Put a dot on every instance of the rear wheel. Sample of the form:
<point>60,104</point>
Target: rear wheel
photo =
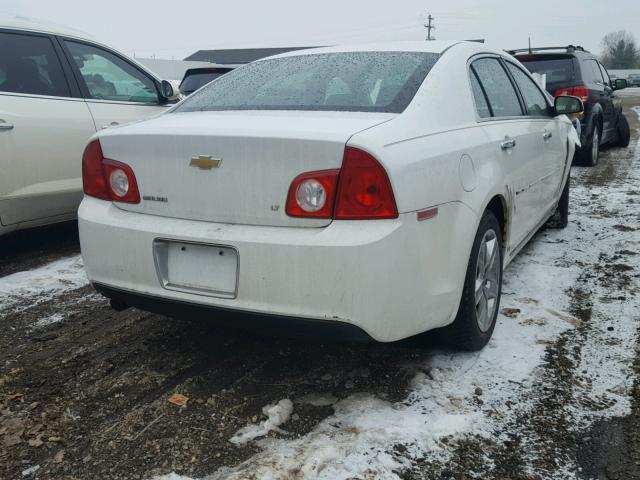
<point>476,319</point>
<point>560,218</point>
<point>623,132</point>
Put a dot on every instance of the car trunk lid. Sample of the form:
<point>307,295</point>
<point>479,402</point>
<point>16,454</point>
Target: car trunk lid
<point>231,167</point>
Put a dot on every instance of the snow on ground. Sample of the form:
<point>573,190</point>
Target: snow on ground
<point>42,283</point>
<point>276,415</point>
<point>481,394</point>
<point>629,92</point>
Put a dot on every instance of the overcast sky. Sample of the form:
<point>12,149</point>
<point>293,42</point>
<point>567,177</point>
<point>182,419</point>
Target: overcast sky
<point>176,29</point>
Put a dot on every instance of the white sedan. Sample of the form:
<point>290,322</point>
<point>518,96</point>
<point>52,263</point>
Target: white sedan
<point>375,191</point>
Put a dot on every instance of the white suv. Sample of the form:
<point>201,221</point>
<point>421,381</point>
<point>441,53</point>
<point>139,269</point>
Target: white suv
<point>57,88</point>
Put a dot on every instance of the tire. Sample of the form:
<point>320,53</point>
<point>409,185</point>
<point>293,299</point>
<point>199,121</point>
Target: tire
<point>623,132</point>
<point>589,153</point>
<point>472,330</point>
<point>560,218</point>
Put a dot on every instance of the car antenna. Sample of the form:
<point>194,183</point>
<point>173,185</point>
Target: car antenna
<point>530,51</point>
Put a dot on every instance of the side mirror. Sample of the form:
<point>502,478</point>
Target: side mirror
<point>620,84</point>
<point>168,91</point>
<point>567,105</point>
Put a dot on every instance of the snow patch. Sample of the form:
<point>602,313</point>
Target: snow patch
<point>50,320</point>
<point>43,283</point>
<point>277,415</point>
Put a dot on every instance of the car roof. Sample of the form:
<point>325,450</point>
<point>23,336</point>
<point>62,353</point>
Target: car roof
<point>549,55</point>
<point>435,46</point>
<point>35,25</point>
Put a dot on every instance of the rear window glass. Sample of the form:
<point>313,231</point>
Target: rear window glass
<point>557,70</point>
<point>193,81</point>
<point>350,81</point>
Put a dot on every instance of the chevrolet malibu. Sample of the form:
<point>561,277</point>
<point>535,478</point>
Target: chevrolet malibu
<point>375,191</point>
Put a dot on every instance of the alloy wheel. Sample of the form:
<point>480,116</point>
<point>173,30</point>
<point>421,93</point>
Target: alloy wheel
<point>595,147</point>
<point>487,285</point>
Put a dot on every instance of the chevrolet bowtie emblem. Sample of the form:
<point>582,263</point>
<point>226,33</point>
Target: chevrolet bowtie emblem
<point>205,162</point>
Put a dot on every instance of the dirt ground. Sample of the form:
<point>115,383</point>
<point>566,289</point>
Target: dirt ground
<point>86,398</point>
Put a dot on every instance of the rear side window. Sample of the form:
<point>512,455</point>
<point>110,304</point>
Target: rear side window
<point>29,64</point>
<point>533,98</point>
<point>501,95</point>
<point>482,106</point>
<point>348,81</point>
<point>592,72</point>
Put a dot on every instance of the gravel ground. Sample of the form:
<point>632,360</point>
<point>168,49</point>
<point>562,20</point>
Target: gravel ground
<point>84,389</point>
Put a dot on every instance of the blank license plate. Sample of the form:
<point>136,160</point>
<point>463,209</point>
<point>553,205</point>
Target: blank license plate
<point>196,268</point>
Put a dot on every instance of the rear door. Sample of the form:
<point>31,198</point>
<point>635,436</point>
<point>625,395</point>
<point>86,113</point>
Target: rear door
<point>116,90</point>
<point>517,142</point>
<point>44,127</point>
<point>549,172</point>
<point>612,106</point>
<point>599,91</point>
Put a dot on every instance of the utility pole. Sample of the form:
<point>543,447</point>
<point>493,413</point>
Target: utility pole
<point>429,26</point>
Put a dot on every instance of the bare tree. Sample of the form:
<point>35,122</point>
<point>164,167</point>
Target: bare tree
<point>620,51</point>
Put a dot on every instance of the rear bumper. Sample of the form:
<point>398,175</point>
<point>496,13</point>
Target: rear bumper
<point>293,326</point>
<point>391,278</point>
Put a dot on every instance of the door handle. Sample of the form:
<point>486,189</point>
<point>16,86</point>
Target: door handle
<point>112,124</point>
<point>547,135</point>
<point>508,144</point>
<point>5,126</point>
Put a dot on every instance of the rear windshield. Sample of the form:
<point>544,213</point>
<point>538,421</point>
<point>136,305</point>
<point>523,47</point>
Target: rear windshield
<point>193,81</point>
<point>350,81</point>
<point>558,70</point>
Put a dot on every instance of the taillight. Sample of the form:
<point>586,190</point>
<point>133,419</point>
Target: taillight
<point>107,179</point>
<point>313,194</point>
<point>581,91</point>
<point>93,180</point>
<point>122,182</point>
<point>360,190</point>
<point>364,190</point>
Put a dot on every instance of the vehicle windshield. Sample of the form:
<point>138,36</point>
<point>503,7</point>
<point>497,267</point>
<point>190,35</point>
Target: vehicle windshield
<point>558,70</point>
<point>350,81</point>
<point>193,81</point>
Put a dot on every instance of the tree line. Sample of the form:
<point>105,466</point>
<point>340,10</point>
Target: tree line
<point>620,51</point>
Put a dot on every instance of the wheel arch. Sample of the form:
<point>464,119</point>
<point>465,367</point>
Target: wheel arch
<point>595,118</point>
<point>498,206</point>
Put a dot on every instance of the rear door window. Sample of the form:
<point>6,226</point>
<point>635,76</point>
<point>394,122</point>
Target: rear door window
<point>605,75</point>
<point>29,64</point>
<point>500,92</point>
<point>534,99</point>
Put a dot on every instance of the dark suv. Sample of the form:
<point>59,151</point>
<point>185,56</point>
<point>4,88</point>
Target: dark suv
<point>194,78</point>
<point>574,71</point>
